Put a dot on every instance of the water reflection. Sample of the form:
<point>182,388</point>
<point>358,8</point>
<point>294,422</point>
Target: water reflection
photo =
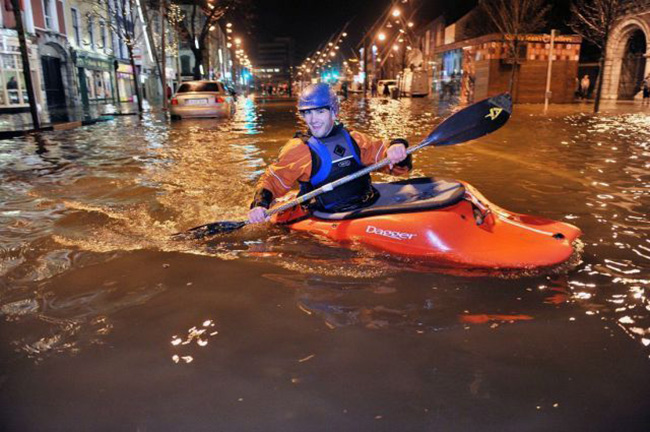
<point>196,337</point>
<point>394,304</point>
<point>75,198</point>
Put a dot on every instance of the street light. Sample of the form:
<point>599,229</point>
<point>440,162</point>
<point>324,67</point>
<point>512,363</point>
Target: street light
<point>396,12</point>
<point>381,36</point>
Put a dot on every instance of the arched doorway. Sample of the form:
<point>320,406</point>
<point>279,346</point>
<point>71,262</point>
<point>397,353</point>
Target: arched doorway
<point>632,65</point>
<point>51,61</point>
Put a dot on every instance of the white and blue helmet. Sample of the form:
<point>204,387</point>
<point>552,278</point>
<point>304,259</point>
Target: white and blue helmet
<point>318,95</point>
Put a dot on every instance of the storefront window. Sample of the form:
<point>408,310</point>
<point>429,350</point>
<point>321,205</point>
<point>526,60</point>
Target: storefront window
<point>23,88</point>
<point>12,87</point>
<point>13,91</point>
<point>9,61</point>
<point>99,85</point>
<point>2,93</point>
<point>90,84</point>
<point>108,88</point>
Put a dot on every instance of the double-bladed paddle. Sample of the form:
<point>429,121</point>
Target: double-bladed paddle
<point>469,123</point>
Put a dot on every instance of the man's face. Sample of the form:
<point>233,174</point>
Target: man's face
<point>320,121</point>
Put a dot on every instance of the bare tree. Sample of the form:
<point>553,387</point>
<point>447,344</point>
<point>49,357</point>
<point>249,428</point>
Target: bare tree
<point>514,19</point>
<point>200,16</point>
<point>594,20</point>
<point>156,37</point>
<point>121,17</point>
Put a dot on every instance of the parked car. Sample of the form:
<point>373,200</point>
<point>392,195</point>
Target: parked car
<point>381,84</point>
<point>202,99</point>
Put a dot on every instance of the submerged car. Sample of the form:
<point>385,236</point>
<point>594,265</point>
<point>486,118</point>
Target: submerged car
<point>202,99</point>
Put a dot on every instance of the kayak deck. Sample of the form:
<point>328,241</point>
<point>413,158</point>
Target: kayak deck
<point>461,228</point>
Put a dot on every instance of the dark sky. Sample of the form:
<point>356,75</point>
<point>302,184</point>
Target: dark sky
<point>311,23</point>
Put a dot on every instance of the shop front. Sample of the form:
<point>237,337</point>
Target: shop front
<point>477,68</point>
<point>124,74</point>
<point>95,83</point>
<point>13,91</point>
<point>448,69</point>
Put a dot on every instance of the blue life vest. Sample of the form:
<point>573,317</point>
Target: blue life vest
<point>334,157</point>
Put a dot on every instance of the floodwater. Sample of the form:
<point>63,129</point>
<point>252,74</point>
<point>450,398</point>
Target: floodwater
<point>106,324</point>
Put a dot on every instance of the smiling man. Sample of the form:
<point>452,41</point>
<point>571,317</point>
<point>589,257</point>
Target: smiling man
<point>326,153</point>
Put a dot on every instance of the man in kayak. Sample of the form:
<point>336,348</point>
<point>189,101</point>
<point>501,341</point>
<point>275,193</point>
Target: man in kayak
<point>327,153</point>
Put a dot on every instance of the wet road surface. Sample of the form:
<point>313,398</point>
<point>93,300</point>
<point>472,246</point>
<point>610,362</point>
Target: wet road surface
<point>106,324</point>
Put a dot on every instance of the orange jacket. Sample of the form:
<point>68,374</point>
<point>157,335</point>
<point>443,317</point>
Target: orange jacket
<point>294,163</point>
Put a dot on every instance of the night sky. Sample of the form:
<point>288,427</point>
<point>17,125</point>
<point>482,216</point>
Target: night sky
<point>311,23</point>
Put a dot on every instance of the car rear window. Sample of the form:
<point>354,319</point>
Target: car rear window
<point>200,87</point>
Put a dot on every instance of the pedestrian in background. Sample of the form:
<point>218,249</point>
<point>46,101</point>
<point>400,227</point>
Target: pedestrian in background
<point>584,86</point>
<point>12,84</point>
<point>646,91</point>
<point>373,89</point>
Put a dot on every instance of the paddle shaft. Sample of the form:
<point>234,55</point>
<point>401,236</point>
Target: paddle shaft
<point>330,186</point>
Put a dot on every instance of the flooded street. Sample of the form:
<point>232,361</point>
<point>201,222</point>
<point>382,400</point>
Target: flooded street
<point>107,324</point>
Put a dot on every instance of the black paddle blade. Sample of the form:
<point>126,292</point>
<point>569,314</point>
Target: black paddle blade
<point>473,122</point>
<point>211,229</point>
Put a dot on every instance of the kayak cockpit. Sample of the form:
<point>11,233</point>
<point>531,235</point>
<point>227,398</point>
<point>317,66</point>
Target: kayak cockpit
<point>406,196</point>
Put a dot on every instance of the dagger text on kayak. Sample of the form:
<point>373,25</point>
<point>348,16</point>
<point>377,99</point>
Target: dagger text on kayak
<point>390,234</point>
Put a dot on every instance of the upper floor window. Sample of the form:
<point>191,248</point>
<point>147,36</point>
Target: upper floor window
<point>102,35</point>
<point>91,32</point>
<point>47,11</point>
<point>75,26</point>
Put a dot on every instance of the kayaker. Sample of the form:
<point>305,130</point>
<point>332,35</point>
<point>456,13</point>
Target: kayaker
<point>326,153</point>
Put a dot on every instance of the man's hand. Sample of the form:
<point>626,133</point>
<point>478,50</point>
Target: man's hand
<point>396,153</point>
<point>258,215</point>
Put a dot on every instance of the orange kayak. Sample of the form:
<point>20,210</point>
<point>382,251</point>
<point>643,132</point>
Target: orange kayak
<point>445,222</point>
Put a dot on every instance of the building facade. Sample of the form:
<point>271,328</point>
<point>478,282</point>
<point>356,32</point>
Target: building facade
<point>627,63</point>
<point>79,57</point>
<point>275,61</point>
<point>477,68</point>
<point>13,92</point>
<point>462,63</point>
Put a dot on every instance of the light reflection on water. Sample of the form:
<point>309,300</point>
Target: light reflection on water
<point>73,199</point>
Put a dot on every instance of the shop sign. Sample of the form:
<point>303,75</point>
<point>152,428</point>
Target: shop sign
<point>127,69</point>
<point>546,38</point>
<point>92,63</point>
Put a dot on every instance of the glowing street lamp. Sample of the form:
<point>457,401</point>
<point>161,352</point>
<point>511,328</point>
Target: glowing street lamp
<point>381,36</point>
<point>396,12</point>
